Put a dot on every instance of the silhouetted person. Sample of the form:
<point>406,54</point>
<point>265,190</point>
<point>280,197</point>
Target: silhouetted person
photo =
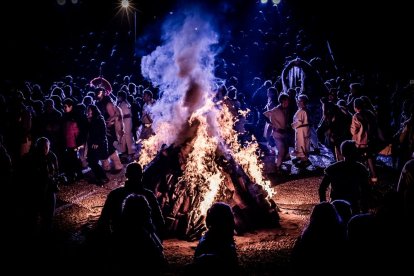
<point>405,189</point>
<point>71,134</point>
<point>349,179</point>
<point>364,133</point>
<point>51,125</point>
<point>19,138</point>
<point>109,220</point>
<point>321,247</point>
<point>216,252</point>
<point>97,143</point>
<point>136,246</point>
<point>334,127</point>
<point>38,175</point>
<point>363,243</point>
<point>344,210</point>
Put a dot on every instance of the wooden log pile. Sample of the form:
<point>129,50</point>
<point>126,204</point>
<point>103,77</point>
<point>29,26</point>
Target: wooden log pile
<point>180,201</point>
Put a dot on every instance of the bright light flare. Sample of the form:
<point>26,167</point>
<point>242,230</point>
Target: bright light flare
<point>125,4</point>
<point>126,8</point>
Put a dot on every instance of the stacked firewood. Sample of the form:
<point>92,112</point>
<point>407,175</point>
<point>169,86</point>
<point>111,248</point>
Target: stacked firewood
<point>180,201</point>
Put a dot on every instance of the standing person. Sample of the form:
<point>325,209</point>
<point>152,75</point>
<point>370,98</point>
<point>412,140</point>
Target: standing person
<point>51,125</point>
<point>71,130</point>
<point>404,146</point>
<point>127,140</point>
<point>19,133</point>
<point>302,132</point>
<point>97,143</point>
<point>355,91</point>
<point>362,129</point>
<point>278,118</point>
<point>38,174</point>
<point>114,128</point>
<point>146,118</point>
<point>334,127</point>
<point>272,102</point>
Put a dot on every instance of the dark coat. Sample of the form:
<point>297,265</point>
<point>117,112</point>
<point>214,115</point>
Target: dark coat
<point>97,136</point>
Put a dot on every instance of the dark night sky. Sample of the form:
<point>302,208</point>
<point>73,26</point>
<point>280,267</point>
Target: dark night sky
<point>365,33</point>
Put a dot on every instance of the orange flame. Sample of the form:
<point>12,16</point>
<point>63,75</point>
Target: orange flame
<point>201,170</point>
<point>246,156</point>
<point>201,173</point>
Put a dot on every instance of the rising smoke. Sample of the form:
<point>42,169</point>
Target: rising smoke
<point>183,71</point>
<point>216,166</point>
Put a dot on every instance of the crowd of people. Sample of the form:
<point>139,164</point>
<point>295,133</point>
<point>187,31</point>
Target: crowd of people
<point>50,135</point>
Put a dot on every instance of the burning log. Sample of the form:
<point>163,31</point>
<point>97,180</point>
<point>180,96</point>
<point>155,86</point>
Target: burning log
<point>163,170</point>
<point>213,164</point>
<point>253,208</point>
<point>197,229</point>
<point>181,201</point>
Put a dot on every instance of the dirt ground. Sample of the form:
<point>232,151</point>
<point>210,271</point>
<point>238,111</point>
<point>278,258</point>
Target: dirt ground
<point>263,252</point>
<point>266,251</point>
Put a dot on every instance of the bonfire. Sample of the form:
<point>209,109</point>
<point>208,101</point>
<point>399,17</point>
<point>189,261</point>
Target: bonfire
<point>196,157</point>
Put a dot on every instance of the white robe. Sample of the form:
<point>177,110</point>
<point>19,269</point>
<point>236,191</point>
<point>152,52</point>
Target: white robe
<point>302,133</point>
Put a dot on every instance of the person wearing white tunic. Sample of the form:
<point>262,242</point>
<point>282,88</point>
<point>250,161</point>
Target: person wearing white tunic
<point>302,129</point>
<point>278,120</point>
<point>127,144</point>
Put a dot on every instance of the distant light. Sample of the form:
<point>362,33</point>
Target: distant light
<point>263,1</point>
<point>276,2</point>
<point>125,4</point>
<point>61,2</point>
<point>74,2</point>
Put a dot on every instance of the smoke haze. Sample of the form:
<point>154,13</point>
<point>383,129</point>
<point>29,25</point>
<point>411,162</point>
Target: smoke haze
<point>183,71</point>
